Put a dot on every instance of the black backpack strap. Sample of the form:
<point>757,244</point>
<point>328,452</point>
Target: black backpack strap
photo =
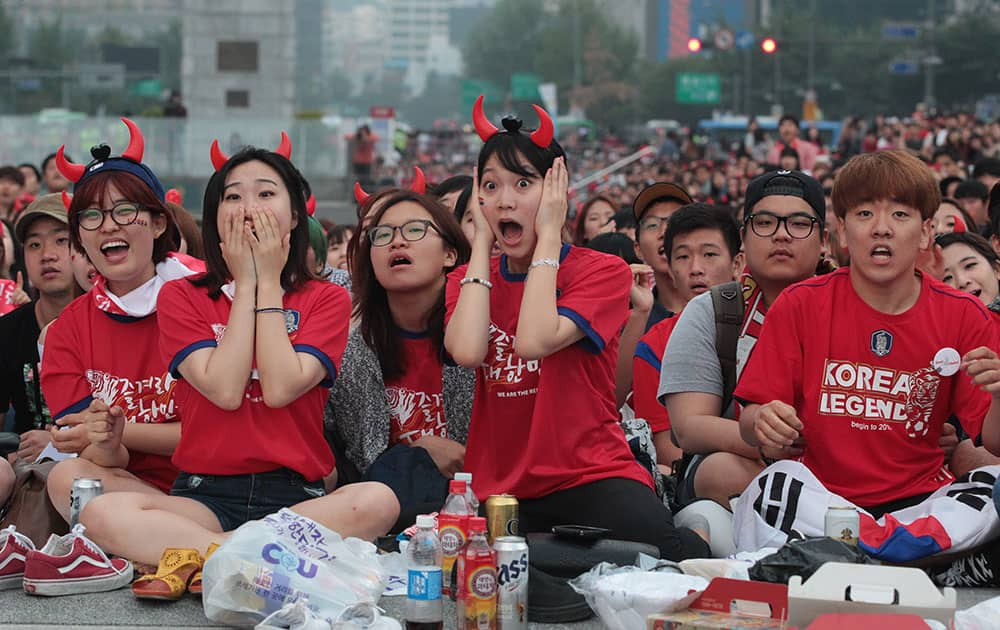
<point>727,301</point>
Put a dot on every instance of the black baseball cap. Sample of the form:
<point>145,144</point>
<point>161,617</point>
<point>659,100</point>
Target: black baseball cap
<point>791,183</point>
<point>658,191</point>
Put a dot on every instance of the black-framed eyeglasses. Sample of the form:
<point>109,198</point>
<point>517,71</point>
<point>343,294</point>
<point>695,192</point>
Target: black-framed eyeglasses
<point>650,224</point>
<point>797,225</point>
<point>382,235</point>
<point>123,214</point>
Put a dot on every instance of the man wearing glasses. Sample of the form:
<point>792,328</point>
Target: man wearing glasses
<point>783,228</point>
<point>653,207</point>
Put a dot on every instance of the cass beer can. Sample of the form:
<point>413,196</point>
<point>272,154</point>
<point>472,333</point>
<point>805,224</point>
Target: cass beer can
<point>842,524</point>
<point>83,491</point>
<point>501,516</point>
<point>512,583</point>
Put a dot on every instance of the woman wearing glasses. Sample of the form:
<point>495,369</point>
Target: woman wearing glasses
<point>396,389</point>
<point>101,362</point>
<point>255,343</point>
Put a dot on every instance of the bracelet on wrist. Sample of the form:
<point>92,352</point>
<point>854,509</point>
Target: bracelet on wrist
<point>544,262</point>
<point>270,309</point>
<point>474,280</point>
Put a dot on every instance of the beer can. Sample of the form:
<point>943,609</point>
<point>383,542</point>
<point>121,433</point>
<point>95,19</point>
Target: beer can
<point>843,524</point>
<point>512,583</point>
<point>82,491</point>
<point>501,516</point>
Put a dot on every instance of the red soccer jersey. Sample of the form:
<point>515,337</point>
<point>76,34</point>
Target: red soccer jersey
<point>864,383</point>
<point>7,288</point>
<point>90,354</point>
<point>254,438</point>
<point>646,375</point>
<point>552,424</point>
<point>416,406</point>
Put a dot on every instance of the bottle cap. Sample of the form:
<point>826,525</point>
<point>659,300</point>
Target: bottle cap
<point>477,524</point>
<point>464,476</point>
<point>456,486</point>
<point>425,520</point>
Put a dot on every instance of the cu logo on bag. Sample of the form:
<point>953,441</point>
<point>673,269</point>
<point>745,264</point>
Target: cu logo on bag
<point>276,554</point>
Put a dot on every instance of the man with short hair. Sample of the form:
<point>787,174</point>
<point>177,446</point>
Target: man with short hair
<point>987,170</point>
<point>972,195</point>
<point>783,226</point>
<point>788,130</point>
<point>32,178</point>
<point>51,177</point>
<point>702,244</point>
<point>653,207</point>
<point>11,183</point>
<point>42,227</point>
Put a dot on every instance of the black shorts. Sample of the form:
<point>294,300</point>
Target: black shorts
<point>236,499</point>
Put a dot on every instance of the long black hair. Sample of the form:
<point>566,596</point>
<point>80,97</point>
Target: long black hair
<point>371,302</point>
<point>296,272</point>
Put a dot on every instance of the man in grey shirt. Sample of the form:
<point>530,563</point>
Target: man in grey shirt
<point>783,234</point>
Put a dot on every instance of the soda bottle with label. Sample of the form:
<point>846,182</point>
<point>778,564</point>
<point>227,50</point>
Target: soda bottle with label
<point>476,605</point>
<point>469,494</point>
<point>423,587</point>
<point>452,523</point>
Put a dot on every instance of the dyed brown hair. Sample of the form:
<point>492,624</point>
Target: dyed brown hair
<point>189,229</point>
<point>886,175</point>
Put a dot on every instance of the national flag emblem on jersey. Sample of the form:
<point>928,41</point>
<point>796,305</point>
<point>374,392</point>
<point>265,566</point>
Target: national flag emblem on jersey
<point>291,320</point>
<point>881,343</point>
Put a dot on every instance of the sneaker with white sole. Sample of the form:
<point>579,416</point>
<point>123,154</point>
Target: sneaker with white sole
<point>72,565</point>
<point>14,548</point>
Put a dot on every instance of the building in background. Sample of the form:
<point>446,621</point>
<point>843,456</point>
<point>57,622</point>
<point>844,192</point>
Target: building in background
<point>310,92</point>
<point>135,18</point>
<point>353,42</point>
<point>239,58</point>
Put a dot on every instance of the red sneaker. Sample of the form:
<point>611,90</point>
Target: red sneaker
<point>14,549</point>
<point>72,565</point>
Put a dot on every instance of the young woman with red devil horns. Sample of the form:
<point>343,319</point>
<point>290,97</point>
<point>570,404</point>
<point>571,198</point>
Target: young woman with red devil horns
<point>540,325</point>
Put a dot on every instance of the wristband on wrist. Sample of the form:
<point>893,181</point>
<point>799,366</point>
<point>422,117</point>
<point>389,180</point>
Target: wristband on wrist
<point>271,309</point>
<point>544,262</point>
<point>473,280</point>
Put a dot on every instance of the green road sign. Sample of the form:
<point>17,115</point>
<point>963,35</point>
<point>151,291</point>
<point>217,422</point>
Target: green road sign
<point>471,89</point>
<point>696,88</point>
<point>524,87</point>
<point>147,87</point>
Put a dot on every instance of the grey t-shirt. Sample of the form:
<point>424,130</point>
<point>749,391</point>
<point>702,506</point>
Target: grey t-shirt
<point>690,362</point>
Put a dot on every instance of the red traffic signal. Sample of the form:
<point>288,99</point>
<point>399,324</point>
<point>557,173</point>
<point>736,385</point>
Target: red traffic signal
<point>694,44</point>
<point>768,45</point>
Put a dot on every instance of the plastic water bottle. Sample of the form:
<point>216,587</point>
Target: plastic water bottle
<point>453,522</point>
<point>423,584</point>
<point>469,494</point>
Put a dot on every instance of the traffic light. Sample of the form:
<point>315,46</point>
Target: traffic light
<point>694,44</point>
<point>768,45</point>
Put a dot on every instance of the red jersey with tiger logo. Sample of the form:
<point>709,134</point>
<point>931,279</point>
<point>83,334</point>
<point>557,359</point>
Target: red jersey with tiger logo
<point>872,390</point>
<point>254,438</point>
<point>416,404</point>
<point>547,425</point>
<point>91,353</point>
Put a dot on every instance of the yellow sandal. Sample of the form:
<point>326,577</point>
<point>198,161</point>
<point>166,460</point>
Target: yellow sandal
<point>176,569</point>
<point>194,587</point>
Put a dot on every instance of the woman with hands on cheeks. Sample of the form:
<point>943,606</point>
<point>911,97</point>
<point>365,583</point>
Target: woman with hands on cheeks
<point>255,344</point>
<point>539,321</point>
<point>400,408</point>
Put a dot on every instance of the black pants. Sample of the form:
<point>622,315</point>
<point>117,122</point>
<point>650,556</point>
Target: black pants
<point>628,508</point>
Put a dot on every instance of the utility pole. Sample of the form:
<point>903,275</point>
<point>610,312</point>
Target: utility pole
<point>930,58</point>
<point>811,62</point>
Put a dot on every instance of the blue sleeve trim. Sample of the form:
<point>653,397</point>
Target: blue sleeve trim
<point>185,352</point>
<point>325,360</point>
<point>591,341</point>
<point>75,408</point>
<point>645,352</point>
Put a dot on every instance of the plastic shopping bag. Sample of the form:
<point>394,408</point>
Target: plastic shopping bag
<point>284,558</point>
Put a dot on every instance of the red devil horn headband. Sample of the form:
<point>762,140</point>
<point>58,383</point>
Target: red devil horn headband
<point>66,199</point>
<point>542,136</point>
<point>311,205</point>
<point>74,172</point>
<point>418,185</point>
<point>219,158</point>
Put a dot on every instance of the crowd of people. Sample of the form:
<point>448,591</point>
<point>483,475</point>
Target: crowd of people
<point>699,353</point>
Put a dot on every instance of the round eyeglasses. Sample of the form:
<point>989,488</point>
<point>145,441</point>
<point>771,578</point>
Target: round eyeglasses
<point>382,235</point>
<point>123,214</point>
<point>765,224</point>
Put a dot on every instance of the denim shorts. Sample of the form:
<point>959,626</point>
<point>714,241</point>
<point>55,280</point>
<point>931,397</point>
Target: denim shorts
<point>236,499</point>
